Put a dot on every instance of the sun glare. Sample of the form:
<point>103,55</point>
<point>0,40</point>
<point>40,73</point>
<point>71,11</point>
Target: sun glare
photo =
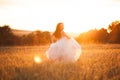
<point>77,17</point>
<point>37,59</point>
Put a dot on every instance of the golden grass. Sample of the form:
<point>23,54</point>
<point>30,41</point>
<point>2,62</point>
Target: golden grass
<point>97,62</point>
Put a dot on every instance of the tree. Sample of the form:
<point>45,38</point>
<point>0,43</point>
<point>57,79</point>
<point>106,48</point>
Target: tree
<point>88,37</point>
<point>36,38</point>
<point>6,36</point>
<point>94,36</point>
<point>102,35</point>
<point>114,29</point>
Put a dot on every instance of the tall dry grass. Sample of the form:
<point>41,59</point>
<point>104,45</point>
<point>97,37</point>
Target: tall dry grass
<point>97,62</point>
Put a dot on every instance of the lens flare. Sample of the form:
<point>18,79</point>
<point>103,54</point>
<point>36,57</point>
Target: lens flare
<point>37,59</point>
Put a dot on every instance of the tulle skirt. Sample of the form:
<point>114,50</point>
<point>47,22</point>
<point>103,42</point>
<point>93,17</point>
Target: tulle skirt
<point>64,50</point>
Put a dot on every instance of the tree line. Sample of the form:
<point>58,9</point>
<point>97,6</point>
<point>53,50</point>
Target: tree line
<point>110,35</point>
<point>8,38</point>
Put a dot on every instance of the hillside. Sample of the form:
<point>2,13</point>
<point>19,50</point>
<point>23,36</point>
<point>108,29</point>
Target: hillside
<point>20,32</point>
<point>25,32</point>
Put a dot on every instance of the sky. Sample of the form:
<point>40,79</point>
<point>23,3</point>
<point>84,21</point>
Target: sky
<point>77,15</point>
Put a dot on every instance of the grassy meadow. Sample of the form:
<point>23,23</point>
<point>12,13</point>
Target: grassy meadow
<point>97,62</point>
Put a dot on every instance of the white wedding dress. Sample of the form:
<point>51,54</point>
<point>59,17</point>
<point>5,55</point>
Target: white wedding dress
<point>64,49</point>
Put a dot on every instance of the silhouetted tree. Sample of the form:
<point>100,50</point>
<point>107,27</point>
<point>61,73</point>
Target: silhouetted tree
<point>6,36</point>
<point>41,37</point>
<point>28,39</point>
<point>114,29</point>
<point>46,37</point>
<point>102,35</point>
<point>36,38</point>
<point>94,36</point>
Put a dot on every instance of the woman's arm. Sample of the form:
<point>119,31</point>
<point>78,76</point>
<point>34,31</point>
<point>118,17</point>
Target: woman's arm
<point>53,38</point>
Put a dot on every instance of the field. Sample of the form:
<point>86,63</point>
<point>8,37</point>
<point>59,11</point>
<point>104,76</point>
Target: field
<point>97,62</point>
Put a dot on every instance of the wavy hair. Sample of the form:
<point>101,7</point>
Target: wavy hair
<point>58,30</point>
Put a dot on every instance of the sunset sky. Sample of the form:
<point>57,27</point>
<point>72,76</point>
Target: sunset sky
<point>77,15</point>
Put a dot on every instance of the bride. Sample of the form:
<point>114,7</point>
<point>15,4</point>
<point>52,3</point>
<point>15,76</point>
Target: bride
<point>63,47</point>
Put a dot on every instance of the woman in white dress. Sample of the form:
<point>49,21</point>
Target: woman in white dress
<point>63,47</point>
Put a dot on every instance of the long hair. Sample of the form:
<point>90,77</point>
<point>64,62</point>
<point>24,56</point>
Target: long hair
<point>58,30</point>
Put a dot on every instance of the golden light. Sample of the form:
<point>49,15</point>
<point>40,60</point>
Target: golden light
<point>37,59</point>
<point>71,13</point>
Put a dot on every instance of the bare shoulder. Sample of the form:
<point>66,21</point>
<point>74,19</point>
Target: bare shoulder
<point>64,34</point>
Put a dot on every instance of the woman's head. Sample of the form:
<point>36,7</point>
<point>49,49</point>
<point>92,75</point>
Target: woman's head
<point>59,28</point>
